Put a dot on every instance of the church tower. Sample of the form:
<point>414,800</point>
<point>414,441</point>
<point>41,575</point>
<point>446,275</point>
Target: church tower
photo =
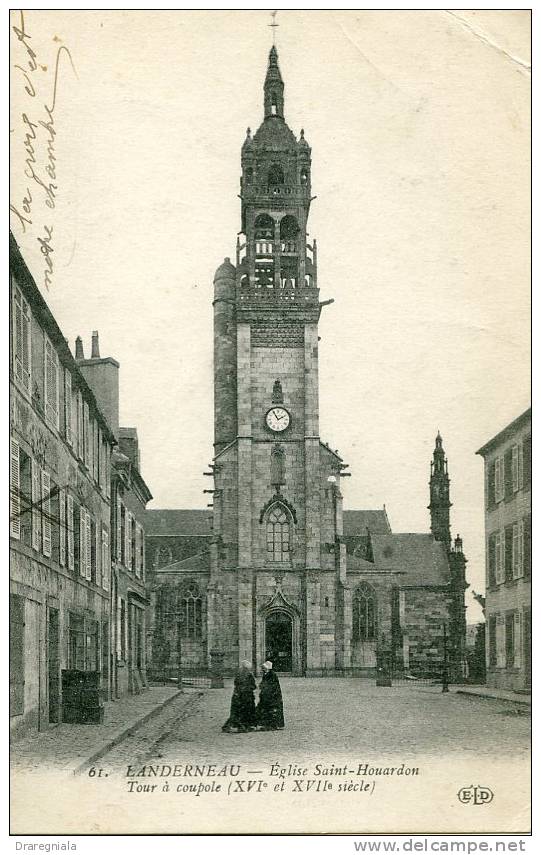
<point>439,506</point>
<point>278,564</point>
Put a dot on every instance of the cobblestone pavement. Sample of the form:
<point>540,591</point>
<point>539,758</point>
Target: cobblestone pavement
<point>337,716</point>
<point>65,746</point>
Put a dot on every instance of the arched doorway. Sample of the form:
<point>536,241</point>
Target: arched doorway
<point>279,640</point>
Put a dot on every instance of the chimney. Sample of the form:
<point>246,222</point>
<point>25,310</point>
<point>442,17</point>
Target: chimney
<point>95,345</point>
<point>128,444</point>
<point>79,352</point>
<point>101,374</point>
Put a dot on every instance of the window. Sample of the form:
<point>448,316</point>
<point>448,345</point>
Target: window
<point>134,552</point>
<point>276,175</point>
<point>61,528</point>
<point>278,533</point>
<point>21,341</point>
<point>16,654</point>
<point>51,384</point>
<point>68,429</point>
<point>92,648</point>
<point>527,462</point>
<point>94,551</point>
<point>499,483</point>
<point>364,613</point>
<point>87,447</point>
<point>191,612</point>
<point>137,550</point>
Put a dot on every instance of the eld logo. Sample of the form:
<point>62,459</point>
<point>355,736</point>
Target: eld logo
<point>475,795</point>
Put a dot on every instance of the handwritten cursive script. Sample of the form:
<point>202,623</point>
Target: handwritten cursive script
<point>38,134</point>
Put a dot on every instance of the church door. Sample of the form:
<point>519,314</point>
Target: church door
<point>278,641</point>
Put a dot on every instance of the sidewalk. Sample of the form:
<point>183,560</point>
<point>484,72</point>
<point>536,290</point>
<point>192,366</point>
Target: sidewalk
<point>496,694</point>
<point>72,746</point>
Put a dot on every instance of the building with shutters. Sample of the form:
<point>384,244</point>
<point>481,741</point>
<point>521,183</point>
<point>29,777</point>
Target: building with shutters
<point>60,535</point>
<point>129,496</point>
<point>285,573</point>
<point>508,523</point>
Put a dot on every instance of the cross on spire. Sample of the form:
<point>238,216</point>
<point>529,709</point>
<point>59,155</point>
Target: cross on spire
<point>273,25</point>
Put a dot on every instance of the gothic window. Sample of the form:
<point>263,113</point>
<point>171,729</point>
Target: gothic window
<point>191,612</point>
<point>364,613</point>
<point>278,534</point>
<point>289,229</point>
<point>304,176</point>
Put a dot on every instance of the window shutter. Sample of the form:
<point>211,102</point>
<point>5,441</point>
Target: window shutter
<point>36,506</point>
<point>97,534</point>
<point>527,462</point>
<point>18,335</point>
<point>96,455</point>
<point>46,528</point>
<point>107,472</point>
<point>82,541</point>
<point>21,340</point>
<point>500,642</point>
<point>143,553</point>
<point>516,551</point>
<point>80,427</point>
<point>88,546</point>
<point>509,552</point>
<point>491,490</point>
<point>127,537</point>
<point>500,557</point>
<point>137,549</point>
<point>492,560</point>
<point>527,548</point>
<point>51,384</point>
<point>61,527</point>
<point>86,434</point>
<point>67,407</point>
<point>118,529</point>
<point>105,559</point>
<point>15,490</point>
<point>69,527</point>
<point>517,639</point>
<point>508,474</point>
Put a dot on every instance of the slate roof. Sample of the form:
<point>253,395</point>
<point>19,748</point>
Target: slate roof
<point>356,522</point>
<point>423,559</point>
<point>199,562</point>
<point>176,523</point>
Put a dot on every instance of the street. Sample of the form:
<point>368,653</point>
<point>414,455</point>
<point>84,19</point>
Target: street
<point>353,758</point>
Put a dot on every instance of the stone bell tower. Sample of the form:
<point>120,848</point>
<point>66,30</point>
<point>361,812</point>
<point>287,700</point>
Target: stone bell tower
<point>277,502</point>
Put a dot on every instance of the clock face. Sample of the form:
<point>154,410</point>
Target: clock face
<point>277,419</point>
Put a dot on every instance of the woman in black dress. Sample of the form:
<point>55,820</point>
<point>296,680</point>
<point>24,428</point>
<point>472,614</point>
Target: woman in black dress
<point>270,709</point>
<point>242,713</point>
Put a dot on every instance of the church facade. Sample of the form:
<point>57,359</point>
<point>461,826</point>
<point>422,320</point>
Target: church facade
<point>280,570</point>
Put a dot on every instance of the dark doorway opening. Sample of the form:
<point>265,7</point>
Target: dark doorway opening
<point>278,641</point>
<point>54,666</point>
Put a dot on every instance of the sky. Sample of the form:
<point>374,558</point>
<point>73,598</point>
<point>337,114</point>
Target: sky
<point>419,127</point>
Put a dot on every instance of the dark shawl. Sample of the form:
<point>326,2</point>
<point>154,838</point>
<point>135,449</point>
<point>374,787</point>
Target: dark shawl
<point>270,709</point>
<point>242,713</point>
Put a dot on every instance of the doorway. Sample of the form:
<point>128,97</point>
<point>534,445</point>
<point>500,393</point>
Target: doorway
<point>279,641</point>
<point>54,666</point>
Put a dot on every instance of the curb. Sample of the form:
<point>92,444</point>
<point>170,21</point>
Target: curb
<point>488,697</point>
<point>120,735</point>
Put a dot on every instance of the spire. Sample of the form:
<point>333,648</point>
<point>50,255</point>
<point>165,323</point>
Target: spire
<point>274,87</point>
<point>439,495</point>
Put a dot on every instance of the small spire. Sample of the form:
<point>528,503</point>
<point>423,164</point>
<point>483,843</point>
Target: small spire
<point>274,87</point>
